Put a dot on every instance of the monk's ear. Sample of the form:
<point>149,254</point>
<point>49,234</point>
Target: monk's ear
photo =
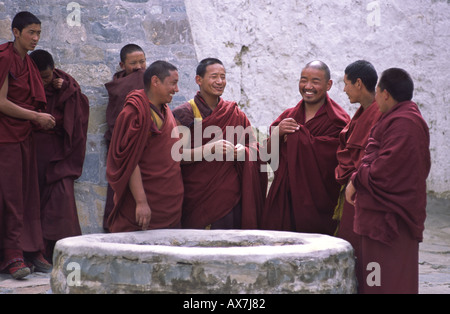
<point>359,83</point>
<point>329,85</point>
<point>122,65</point>
<point>198,80</point>
<point>16,32</point>
<point>155,80</point>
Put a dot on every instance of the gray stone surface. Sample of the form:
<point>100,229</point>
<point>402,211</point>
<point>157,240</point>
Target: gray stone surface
<point>434,258</point>
<point>202,261</point>
<point>434,261</point>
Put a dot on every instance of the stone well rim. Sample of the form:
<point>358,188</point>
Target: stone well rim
<point>301,245</point>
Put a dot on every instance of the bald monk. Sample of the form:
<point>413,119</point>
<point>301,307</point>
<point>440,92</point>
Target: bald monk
<point>360,81</point>
<point>140,169</point>
<point>132,64</point>
<point>389,190</point>
<point>22,97</point>
<point>60,152</point>
<point>304,191</point>
<point>225,187</point>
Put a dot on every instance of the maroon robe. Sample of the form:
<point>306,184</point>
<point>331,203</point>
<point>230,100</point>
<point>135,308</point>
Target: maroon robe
<point>60,156</point>
<point>223,194</point>
<point>304,192</point>
<point>352,143</point>
<point>118,89</point>
<point>20,227</point>
<point>137,141</point>
<point>390,204</point>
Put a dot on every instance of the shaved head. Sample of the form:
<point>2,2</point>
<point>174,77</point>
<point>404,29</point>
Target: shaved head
<point>319,65</point>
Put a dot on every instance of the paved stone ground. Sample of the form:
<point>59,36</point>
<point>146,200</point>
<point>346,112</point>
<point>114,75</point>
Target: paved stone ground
<point>434,259</point>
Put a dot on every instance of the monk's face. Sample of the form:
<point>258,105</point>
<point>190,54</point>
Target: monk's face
<point>214,81</point>
<point>314,86</point>
<point>47,76</point>
<point>168,88</point>
<point>133,62</point>
<point>352,90</point>
<point>382,98</point>
<point>28,38</point>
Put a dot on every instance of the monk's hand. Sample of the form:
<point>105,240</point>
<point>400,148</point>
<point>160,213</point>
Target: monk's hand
<point>350,192</point>
<point>45,120</point>
<point>143,215</point>
<point>239,152</point>
<point>57,83</point>
<point>227,149</point>
<point>288,126</point>
<point>221,147</point>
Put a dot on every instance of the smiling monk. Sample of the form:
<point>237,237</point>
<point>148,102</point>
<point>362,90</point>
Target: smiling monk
<point>227,191</point>
<point>304,192</point>
<point>140,169</point>
<point>360,81</point>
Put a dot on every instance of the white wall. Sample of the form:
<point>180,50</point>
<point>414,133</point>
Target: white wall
<point>265,44</point>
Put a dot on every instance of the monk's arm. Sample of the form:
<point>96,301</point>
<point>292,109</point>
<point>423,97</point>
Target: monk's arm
<point>286,126</point>
<point>143,212</point>
<point>10,109</point>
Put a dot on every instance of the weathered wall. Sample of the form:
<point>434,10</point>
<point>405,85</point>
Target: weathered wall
<point>264,45</point>
<point>85,41</point>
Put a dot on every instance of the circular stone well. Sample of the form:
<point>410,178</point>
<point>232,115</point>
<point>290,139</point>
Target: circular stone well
<point>203,261</point>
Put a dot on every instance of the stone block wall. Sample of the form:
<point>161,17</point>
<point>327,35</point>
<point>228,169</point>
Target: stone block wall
<point>85,38</point>
<point>264,45</point>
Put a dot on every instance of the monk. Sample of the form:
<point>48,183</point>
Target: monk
<point>132,64</point>
<point>304,191</point>
<point>22,97</point>
<point>360,82</point>
<point>224,187</point>
<point>60,152</point>
<point>389,190</point>
<point>145,178</point>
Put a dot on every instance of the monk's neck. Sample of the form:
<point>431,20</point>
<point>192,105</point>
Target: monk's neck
<point>155,102</point>
<point>367,100</point>
<point>22,52</point>
<point>312,109</point>
<point>211,101</point>
<point>157,106</point>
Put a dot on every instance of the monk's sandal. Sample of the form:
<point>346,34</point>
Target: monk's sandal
<point>19,270</point>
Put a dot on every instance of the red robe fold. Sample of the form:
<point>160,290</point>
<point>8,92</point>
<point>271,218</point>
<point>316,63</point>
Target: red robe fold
<point>391,181</point>
<point>214,188</point>
<point>390,204</point>
<point>137,141</point>
<point>20,227</point>
<point>304,191</point>
<point>353,141</point>
<point>352,144</point>
<point>25,89</point>
<point>118,89</point>
<point>60,156</point>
